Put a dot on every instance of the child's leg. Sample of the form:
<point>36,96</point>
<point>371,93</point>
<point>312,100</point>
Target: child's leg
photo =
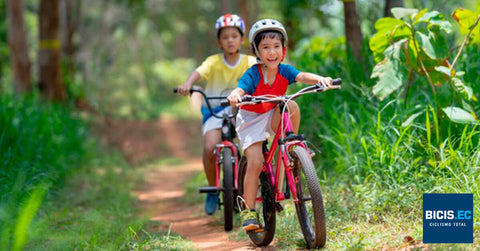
<point>293,111</point>
<point>254,168</point>
<point>210,140</point>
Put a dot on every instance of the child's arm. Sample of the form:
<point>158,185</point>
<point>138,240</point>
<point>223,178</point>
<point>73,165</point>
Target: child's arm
<point>192,78</point>
<point>235,96</point>
<point>311,79</point>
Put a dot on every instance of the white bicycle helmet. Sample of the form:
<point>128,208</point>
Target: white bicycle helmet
<point>266,24</point>
<point>230,20</point>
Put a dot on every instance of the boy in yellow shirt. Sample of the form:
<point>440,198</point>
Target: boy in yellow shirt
<point>221,72</point>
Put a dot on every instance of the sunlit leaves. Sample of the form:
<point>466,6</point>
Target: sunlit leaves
<point>412,118</point>
<point>435,18</point>
<point>443,69</point>
<point>400,13</point>
<point>434,45</point>
<point>458,115</point>
<point>461,88</point>
<point>466,19</point>
<point>389,30</point>
<point>390,72</point>
<point>415,42</point>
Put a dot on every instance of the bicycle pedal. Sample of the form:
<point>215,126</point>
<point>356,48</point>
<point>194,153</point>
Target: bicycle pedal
<point>311,152</point>
<point>278,207</point>
<point>208,189</point>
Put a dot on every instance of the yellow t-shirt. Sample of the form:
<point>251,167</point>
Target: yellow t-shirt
<point>221,77</point>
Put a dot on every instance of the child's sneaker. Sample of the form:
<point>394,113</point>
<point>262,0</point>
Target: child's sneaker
<point>250,220</point>
<point>211,203</point>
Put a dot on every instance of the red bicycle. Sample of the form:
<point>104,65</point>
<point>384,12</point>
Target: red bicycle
<point>226,162</point>
<point>293,160</point>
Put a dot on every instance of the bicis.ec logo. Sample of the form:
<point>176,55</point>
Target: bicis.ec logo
<point>448,218</point>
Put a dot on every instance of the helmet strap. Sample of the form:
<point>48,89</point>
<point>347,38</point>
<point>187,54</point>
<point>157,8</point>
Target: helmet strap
<point>256,52</point>
<point>284,52</point>
<point>265,73</point>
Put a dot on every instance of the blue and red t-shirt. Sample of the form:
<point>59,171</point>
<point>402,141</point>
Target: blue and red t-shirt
<point>253,84</point>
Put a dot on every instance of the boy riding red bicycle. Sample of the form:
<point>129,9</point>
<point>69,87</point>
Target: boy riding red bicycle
<point>255,123</point>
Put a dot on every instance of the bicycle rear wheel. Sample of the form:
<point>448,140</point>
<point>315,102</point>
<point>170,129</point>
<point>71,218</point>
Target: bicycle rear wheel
<point>228,199</point>
<point>310,211</point>
<point>265,208</point>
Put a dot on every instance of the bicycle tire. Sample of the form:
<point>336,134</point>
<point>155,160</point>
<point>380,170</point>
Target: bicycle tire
<point>266,209</point>
<point>309,211</point>
<point>228,199</point>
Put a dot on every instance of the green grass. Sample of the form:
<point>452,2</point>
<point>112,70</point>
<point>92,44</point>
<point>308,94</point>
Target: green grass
<point>39,145</point>
<point>374,171</point>
<point>373,166</point>
<point>95,210</point>
<point>59,190</point>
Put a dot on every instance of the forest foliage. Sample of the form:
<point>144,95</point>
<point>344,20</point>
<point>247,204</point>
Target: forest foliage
<point>404,123</point>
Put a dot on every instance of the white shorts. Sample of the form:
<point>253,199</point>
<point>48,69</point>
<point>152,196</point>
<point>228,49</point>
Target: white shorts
<point>253,127</point>
<point>215,123</point>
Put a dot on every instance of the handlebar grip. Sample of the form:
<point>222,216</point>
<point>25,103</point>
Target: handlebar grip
<point>175,90</point>
<point>224,102</point>
<point>337,81</point>
<point>246,98</point>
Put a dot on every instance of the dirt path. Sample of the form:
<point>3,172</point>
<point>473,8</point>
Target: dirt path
<point>160,198</point>
<point>160,195</point>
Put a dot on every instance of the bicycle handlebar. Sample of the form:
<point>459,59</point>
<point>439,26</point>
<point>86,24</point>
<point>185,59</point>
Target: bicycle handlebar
<point>337,81</point>
<point>207,101</point>
<point>252,100</point>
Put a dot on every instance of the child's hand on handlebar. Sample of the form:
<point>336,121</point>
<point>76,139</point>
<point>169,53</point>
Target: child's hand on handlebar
<point>235,97</point>
<point>184,89</point>
<point>327,82</point>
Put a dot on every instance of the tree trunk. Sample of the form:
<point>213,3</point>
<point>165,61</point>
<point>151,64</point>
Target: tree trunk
<point>245,15</point>
<point>71,19</point>
<point>389,4</point>
<point>181,46</point>
<point>17,41</point>
<point>352,29</point>
<point>50,79</point>
<point>225,7</point>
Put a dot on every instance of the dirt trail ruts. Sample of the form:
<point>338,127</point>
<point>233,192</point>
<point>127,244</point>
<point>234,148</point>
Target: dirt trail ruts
<point>162,189</point>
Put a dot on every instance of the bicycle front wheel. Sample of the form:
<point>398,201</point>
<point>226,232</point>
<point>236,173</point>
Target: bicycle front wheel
<point>265,208</point>
<point>227,189</point>
<point>310,211</point>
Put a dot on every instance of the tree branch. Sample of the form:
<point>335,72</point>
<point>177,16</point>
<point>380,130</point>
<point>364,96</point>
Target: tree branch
<point>464,43</point>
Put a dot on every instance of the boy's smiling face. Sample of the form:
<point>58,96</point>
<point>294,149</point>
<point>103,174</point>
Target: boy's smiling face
<point>230,39</point>
<point>271,51</point>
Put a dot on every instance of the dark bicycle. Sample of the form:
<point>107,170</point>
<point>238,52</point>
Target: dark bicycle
<point>227,158</point>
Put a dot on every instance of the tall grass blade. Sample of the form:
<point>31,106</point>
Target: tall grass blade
<point>27,213</point>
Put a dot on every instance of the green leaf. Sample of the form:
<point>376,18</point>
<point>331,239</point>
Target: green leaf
<point>466,19</point>
<point>436,18</point>
<point>434,46</point>
<point>389,80</point>
<point>388,23</point>
<point>443,69</point>
<point>402,12</point>
<point>388,30</point>
<point>465,91</point>
<point>390,72</point>
<point>412,118</point>
<point>458,115</point>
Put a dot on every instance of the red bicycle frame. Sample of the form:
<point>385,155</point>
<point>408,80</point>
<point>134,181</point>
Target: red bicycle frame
<point>282,158</point>
<point>218,150</point>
